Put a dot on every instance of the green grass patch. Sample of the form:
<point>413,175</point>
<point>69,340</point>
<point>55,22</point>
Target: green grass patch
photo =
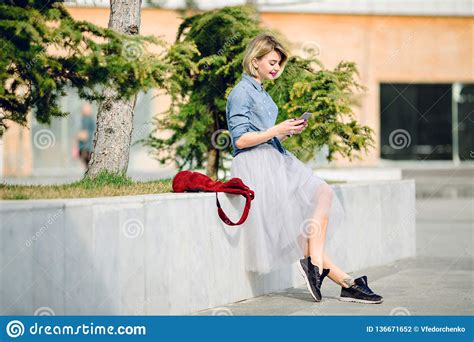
<point>104,185</point>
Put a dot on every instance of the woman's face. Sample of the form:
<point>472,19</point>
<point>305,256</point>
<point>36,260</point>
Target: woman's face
<point>268,66</point>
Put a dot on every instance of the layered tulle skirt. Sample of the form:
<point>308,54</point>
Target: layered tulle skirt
<point>291,203</point>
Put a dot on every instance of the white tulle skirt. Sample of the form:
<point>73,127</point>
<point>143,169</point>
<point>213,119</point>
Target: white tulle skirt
<point>291,202</point>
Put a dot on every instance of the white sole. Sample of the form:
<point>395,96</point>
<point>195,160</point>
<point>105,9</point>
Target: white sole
<point>355,300</point>
<point>303,274</point>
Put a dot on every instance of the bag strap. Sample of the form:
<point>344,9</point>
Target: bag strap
<point>224,217</point>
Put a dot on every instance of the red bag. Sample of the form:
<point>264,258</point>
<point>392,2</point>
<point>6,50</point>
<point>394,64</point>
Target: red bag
<point>190,181</point>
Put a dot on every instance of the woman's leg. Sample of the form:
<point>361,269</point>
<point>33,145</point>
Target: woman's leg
<point>316,231</point>
<point>336,274</point>
<point>315,228</point>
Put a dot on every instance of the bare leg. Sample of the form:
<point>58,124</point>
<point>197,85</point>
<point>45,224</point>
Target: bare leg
<point>316,226</point>
<point>316,232</point>
<point>336,274</point>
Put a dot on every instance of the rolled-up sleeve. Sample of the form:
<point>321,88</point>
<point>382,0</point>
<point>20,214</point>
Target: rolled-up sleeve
<point>238,113</point>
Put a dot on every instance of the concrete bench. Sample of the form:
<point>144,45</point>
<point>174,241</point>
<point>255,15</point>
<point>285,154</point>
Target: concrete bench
<point>170,253</point>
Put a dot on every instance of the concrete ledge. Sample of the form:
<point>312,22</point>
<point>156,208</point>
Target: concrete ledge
<point>359,174</point>
<point>170,253</point>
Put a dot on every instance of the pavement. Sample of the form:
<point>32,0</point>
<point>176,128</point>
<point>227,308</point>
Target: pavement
<point>438,281</point>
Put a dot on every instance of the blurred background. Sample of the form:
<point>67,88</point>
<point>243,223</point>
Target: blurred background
<point>415,57</point>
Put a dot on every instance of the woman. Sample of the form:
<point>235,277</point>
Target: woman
<point>293,208</point>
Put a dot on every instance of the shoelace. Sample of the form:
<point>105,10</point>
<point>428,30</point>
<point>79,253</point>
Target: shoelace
<point>363,288</point>
<point>312,273</point>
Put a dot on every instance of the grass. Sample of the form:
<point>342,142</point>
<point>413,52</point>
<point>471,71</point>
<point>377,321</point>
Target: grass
<point>104,185</point>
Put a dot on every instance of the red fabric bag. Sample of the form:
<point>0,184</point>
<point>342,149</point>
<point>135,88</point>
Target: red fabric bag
<point>190,181</point>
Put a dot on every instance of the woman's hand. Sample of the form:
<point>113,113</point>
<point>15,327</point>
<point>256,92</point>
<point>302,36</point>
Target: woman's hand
<point>291,126</point>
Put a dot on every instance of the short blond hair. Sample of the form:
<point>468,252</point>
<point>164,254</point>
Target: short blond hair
<point>259,47</point>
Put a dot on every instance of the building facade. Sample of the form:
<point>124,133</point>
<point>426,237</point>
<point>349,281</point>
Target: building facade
<point>415,58</point>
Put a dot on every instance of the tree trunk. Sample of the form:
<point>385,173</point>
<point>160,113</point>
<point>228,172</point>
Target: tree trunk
<point>115,117</point>
<point>212,162</point>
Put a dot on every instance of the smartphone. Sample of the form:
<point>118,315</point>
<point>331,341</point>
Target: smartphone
<point>305,115</point>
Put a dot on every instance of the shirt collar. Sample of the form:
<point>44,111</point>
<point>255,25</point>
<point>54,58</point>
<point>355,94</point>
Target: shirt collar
<point>253,81</point>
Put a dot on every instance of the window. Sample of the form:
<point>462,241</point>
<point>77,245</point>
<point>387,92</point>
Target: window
<point>426,121</point>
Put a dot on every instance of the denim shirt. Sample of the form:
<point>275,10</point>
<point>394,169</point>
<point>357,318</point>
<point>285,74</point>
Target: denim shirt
<point>250,109</point>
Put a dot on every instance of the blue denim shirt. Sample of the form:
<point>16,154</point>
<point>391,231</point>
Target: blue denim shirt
<point>249,109</point>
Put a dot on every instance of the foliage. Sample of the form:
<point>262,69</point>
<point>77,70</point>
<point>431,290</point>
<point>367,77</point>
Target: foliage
<point>197,121</point>
<point>306,85</point>
<point>44,50</point>
<point>214,42</point>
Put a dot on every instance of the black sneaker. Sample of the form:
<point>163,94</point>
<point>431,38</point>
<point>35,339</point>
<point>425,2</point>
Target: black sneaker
<point>360,292</point>
<point>312,277</point>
